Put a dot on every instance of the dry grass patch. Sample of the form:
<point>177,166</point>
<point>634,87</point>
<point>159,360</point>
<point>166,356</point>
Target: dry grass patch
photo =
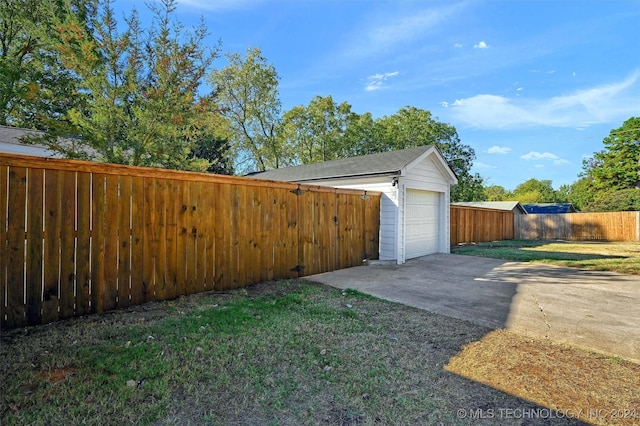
<point>621,257</point>
<point>594,388</point>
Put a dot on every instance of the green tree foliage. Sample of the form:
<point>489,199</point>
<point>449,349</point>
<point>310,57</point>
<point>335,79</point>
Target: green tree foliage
<point>136,101</point>
<point>617,166</point>
<point>611,176</point>
<point>325,130</point>
<point>616,201</point>
<point>496,193</point>
<point>360,136</point>
<point>411,127</point>
<point>247,96</point>
<point>535,191</point>
<point>316,133</point>
<point>580,194</point>
<point>216,149</point>
<point>34,84</point>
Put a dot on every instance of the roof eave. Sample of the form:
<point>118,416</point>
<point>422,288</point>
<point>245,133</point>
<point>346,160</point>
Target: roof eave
<point>352,176</point>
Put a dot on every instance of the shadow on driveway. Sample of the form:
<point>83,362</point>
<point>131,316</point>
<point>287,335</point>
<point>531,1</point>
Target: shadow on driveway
<point>590,309</point>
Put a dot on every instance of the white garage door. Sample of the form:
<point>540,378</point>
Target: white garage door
<point>422,219</point>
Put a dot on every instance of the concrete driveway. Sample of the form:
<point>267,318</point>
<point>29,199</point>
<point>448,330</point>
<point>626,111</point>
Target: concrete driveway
<point>593,310</point>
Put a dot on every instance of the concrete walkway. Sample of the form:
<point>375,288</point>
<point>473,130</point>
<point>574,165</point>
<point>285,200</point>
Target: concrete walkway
<point>589,309</point>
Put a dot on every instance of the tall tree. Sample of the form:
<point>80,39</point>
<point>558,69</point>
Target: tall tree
<point>496,193</point>
<point>535,191</point>
<point>34,84</point>
<point>138,101</point>
<point>316,133</point>
<point>617,166</point>
<point>360,136</point>
<point>247,95</point>
<point>412,126</point>
<point>580,193</point>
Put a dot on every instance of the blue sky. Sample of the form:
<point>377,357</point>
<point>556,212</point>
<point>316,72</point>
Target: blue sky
<point>532,86</point>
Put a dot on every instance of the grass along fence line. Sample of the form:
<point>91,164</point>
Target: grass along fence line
<point>79,237</point>
<point>621,257</point>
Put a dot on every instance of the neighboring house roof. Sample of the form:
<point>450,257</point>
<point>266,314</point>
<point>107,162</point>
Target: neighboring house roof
<point>10,142</point>
<point>549,208</point>
<point>391,163</point>
<point>496,205</point>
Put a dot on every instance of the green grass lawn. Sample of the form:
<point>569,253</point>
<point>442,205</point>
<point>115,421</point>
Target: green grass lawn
<point>622,257</point>
<point>285,353</point>
<point>278,353</point>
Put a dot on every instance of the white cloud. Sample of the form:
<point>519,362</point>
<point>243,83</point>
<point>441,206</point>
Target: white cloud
<point>383,34</point>
<point>561,161</point>
<point>458,45</point>
<point>376,81</point>
<point>481,165</point>
<point>481,45</point>
<point>536,156</point>
<point>444,104</point>
<point>602,104</point>
<point>498,150</point>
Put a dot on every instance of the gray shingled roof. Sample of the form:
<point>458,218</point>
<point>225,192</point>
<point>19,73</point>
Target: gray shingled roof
<point>13,135</point>
<point>497,205</point>
<point>385,163</point>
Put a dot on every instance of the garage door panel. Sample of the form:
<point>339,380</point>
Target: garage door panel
<point>422,218</point>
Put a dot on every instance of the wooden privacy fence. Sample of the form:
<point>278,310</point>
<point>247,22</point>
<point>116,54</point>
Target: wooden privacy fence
<point>79,238</point>
<point>474,225</point>
<point>613,226</point>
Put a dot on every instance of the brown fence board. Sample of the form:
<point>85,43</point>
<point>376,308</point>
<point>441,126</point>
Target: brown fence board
<point>223,236</point>
<point>470,224</point>
<point>83,244</point>
<point>372,233</point>
<point>291,213</point>
<point>206,223</point>
<point>67,246</point>
<point>15,246</point>
<point>137,240</point>
<point>4,170</point>
<point>148,240</point>
<point>51,256</point>
<point>112,211</point>
<point>78,237</point>
<point>124,242</point>
<point>97,242</point>
<point>172,203</point>
<point>609,226</point>
<point>160,239</point>
<point>34,246</point>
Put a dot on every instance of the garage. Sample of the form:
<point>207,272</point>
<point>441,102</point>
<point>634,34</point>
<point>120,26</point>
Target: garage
<point>415,184</point>
<point>422,223</point>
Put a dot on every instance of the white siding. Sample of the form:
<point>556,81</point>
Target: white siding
<point>425,176</point>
